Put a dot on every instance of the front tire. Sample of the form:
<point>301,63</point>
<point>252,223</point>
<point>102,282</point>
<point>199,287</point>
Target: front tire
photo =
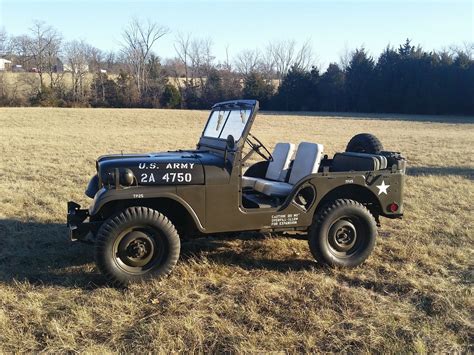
<point>343,234</point>
<point>137,244</point>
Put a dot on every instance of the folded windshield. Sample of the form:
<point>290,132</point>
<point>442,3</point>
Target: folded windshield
<point>221,123</point>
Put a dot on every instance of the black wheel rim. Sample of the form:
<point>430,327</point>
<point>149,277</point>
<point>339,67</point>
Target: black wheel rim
<point>138,249</point>
<point>347,236</point>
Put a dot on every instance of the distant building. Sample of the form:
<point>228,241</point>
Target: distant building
<point>5,64</point>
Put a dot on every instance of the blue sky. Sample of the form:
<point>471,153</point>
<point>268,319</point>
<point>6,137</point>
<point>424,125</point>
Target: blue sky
<point>330,25</point>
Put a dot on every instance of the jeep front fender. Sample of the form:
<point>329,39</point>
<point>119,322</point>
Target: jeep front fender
<point>140,196</point>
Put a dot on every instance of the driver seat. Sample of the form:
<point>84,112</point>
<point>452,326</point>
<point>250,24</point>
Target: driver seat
<point>278,168</point>
<point>307,160</point>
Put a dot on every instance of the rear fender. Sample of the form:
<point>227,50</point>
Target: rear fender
<point>376,191</point>
<point>354,192</point>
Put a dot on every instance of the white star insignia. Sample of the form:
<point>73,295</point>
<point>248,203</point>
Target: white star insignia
<point>382,188</point>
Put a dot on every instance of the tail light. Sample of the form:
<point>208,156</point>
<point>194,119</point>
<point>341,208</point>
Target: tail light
<point>393,207</point>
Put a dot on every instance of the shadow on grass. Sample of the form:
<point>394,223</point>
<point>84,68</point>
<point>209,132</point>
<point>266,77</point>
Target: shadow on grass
<point>423,300</point>
<point>42,254</point>
<point>248,258</point>
<point>441,171</point>
<point>378,116</point>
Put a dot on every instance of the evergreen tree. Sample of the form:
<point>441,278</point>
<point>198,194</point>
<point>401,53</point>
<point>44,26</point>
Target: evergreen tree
<point>298,90</point>
<point>171,97</point>
<point>255,87</point>
<point>388,90</point>
<point>212,90</point>
<point>331,88</point>
<point>154,84</point>
<point>406,50</point>
<point>359,82</point>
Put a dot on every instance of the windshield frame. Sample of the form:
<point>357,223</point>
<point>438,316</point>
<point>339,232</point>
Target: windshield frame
<point>237,105</point>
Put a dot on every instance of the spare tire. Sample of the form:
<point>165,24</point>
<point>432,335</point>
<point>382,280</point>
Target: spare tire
<point>364,143</point>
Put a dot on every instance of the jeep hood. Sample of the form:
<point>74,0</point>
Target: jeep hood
<point>168,168</point>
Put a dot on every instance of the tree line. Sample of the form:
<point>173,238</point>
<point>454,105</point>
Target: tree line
<point>282,75</point>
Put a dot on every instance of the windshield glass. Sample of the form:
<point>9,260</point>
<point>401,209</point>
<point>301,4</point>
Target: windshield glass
<point>221,123</point>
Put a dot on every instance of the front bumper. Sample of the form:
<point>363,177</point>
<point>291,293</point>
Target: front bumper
<point>77,227</point>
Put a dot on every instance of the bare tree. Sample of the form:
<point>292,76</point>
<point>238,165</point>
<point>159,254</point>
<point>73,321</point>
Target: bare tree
<point>109,61</point>
<point>96,60</point>
<point>201,58</point>
<point>345,57</point>
<point>248,61</point>
<point>3,48</point>
<point>285,54</point>
<point>267,66</point>
<point>282,53</point>
<point>43,47</point>
<point>19,48</point>
<point>227,65</point>
<point>195,56</point>
<point>305,57</point>
<point>3,42</point>
<point>182,47</point>
<point>139,39</point>
<point>466,49</point>
<point>53,63</point>
<point>77,57</point>
<point>469,49</point>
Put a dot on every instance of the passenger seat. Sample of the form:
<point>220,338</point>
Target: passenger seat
<point>307,160</point>
<point>278,168</point>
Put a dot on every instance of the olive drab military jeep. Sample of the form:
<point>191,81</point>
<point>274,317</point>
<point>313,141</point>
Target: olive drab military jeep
<point>145,204</point>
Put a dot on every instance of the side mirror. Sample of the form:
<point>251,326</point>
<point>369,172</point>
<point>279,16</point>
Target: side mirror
<point>230,142</point>
<point>230,145</point>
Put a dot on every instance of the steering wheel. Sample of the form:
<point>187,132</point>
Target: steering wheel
<point>257,147</point>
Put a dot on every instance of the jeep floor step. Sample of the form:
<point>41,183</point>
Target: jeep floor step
<point>255,200</point>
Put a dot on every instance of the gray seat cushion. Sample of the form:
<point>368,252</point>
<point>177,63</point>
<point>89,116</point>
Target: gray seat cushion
<point>273,188</point>
<point>307,160</point>
<point>278,168</point>
<point>282,155</point>
<point>249,181</point>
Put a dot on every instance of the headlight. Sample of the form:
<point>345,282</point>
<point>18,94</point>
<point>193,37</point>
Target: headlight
<point>126,177</point>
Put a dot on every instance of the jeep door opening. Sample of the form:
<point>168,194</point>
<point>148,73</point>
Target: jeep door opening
<point>145,204</point>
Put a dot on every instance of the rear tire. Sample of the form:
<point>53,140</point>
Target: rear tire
<point>364,143</point>
<point>137,244</point>
<point>343,234</point>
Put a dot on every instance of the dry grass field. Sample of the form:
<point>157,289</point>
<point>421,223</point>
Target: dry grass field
<point>252,293</point>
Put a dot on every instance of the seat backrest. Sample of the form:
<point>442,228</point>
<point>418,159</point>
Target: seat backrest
<point>282,155</point>
<point>307,160</point>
